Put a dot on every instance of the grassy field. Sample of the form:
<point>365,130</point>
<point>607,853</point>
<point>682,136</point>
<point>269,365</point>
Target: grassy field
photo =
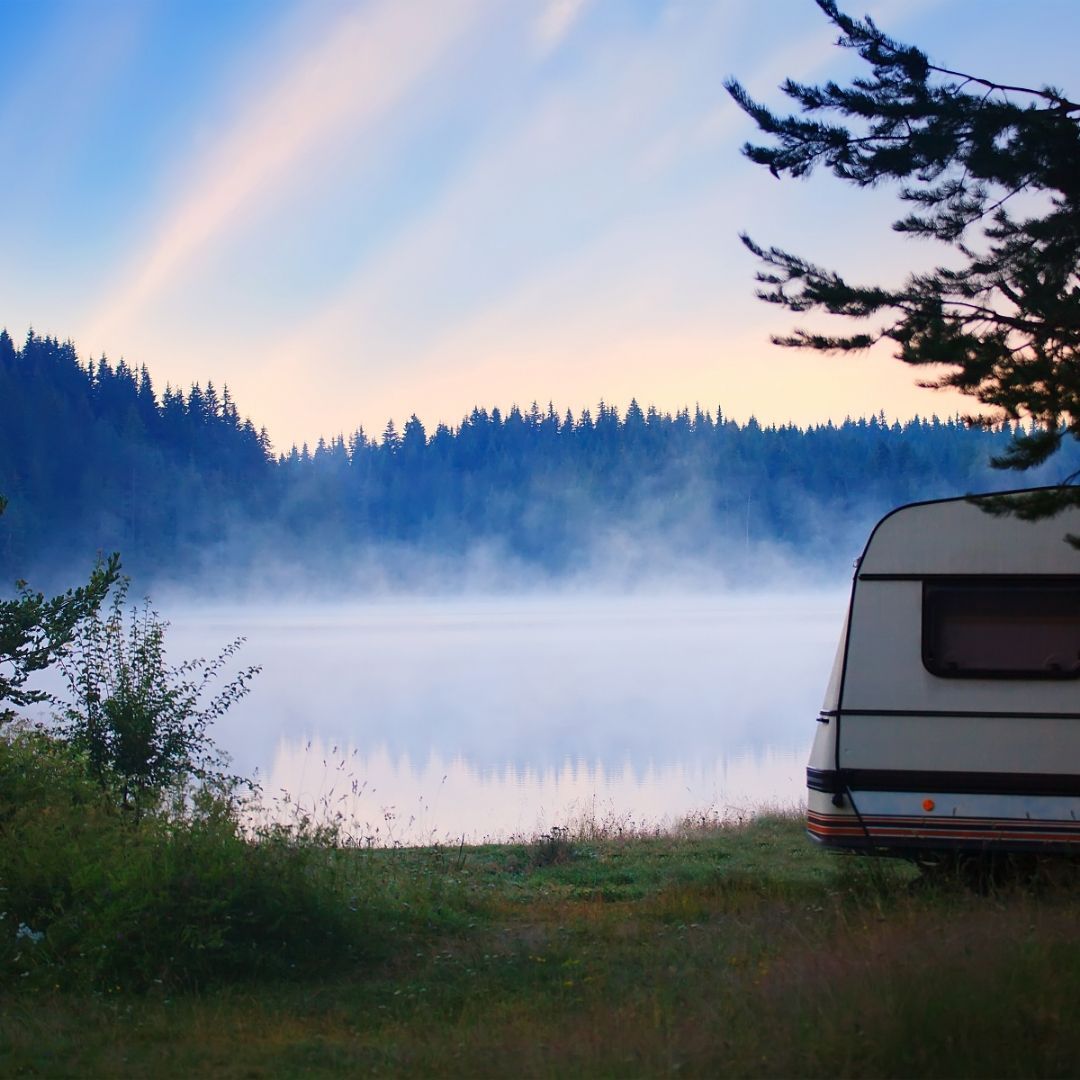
<point>735,950</point>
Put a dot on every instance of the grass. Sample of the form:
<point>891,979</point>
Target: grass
<point>716,949</point>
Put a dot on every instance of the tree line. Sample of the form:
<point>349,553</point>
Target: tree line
<point>93,458</point>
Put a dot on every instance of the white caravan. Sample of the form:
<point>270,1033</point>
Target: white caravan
<point>952,716</point>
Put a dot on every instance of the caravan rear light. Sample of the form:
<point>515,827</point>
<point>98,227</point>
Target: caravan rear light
<point>928,805</point>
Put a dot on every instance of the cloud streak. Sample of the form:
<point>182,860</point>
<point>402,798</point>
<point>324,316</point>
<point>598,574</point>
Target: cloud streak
<point>596,204</point>
<point>555,23</point>
<point>538,217</point>
<point>364,62</point>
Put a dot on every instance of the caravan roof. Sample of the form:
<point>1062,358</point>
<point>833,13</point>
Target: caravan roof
<point>958,537</point>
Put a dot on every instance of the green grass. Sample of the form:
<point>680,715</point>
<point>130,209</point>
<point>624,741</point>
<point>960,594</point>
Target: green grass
<point>718,950</point>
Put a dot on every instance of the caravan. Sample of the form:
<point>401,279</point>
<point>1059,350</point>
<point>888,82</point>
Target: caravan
<point>952,717</point>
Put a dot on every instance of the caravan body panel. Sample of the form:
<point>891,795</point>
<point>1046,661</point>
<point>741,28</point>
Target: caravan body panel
<point>954,719</point>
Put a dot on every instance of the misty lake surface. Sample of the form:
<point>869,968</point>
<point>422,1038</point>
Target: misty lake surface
<point>439,719</point>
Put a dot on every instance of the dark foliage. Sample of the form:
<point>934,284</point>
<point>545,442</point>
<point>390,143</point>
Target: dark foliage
<point>34,629</point>
<point>992,172</point>
<point>184,897</point>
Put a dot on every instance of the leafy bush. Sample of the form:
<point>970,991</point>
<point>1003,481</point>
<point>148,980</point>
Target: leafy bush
<point>181,896</point>
<point>129,858</point>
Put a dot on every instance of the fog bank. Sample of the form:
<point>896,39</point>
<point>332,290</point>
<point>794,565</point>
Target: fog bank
<point>484,716</point>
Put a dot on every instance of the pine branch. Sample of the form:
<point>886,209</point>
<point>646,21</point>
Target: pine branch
<point>1060,102</point>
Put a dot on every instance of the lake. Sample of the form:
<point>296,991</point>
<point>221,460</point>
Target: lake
<point>437,719</point>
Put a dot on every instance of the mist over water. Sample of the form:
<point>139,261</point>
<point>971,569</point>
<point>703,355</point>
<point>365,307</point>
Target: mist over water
<point>426,719</point>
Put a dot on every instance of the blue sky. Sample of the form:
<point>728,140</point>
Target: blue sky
<point>355,210</point>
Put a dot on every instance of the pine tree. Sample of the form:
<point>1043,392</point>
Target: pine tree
<point>414,438</point>
<point>391,440</point>
<point>7,350</point>
<point>991,171</point>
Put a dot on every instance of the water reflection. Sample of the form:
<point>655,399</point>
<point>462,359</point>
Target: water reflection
<point>488,717</point>
<point>388,799</point>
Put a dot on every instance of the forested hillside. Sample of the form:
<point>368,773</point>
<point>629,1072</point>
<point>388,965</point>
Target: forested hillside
<point>93,458</point>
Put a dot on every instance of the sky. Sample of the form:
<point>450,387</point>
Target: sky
<point>355,211</point>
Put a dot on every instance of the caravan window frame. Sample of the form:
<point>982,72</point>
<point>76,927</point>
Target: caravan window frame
<point>942,597</point>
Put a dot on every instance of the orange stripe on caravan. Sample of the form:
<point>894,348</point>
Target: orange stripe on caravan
<point>945,822</point>
<point>925,828</point>
<point>928,822</point>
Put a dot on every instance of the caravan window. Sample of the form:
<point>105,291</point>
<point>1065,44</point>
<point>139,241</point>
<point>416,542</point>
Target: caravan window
<point>1002,629</point>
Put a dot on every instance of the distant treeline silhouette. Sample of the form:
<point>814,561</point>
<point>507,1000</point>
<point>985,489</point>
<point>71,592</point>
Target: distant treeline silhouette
<point>92,458</point>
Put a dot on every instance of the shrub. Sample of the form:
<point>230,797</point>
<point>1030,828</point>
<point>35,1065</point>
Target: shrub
<point>142,723</point>
<point>127,855</point>
<point>181,896</point>
<point>552,848</point>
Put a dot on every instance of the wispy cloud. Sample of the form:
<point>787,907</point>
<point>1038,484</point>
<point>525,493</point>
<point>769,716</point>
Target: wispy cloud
<point>582,167</point>
<point>555,22</point>
<point>576,243</point>
<point>363,63</point>
<point>590,229</point>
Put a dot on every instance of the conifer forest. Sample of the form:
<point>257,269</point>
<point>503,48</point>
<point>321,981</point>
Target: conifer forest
<point>93,458</point>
